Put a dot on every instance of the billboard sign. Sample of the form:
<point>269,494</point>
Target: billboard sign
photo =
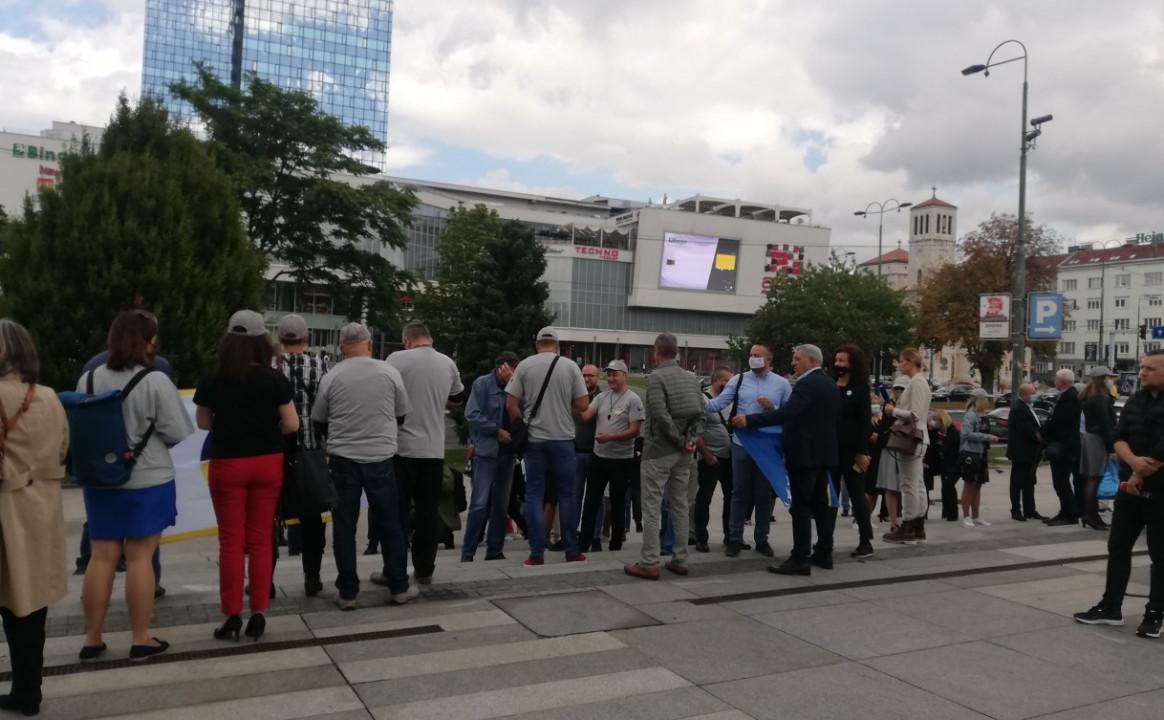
<point>1044,316</point>
<point>699,262</point>
<point>994,316</point>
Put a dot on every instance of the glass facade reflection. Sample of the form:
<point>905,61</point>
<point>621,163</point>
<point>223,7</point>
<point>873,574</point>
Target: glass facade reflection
<point>336,50</point>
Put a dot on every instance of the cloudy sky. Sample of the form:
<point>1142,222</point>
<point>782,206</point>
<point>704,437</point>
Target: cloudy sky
<point>826,105</point>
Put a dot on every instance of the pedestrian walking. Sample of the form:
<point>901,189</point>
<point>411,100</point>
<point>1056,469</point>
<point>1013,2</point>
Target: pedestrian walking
<point>493,459</point>
<point>674,419</point>
<point>811,449</point>
<point>434,384</point>
<point>130,518</point>
<point>247,407</point>
<point>34,438</point>
<point>360,405</point>
<point>544,395</point>
<point>1139,506</point>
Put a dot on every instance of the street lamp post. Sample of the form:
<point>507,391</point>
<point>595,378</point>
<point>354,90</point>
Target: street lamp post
<point>1026,141</point>
<point>882,208</point>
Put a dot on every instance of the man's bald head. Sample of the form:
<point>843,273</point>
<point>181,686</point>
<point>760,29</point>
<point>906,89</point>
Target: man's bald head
<point>590,376</point>
<point>1026,390</point>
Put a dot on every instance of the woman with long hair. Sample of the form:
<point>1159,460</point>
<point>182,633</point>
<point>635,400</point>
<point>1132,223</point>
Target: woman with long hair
<point>34,438</point>
<point>851,372</point>
<point>972,457</point>
<point>1098,442</point>
<point>912,407</point>
<point>130,518</point>
<point>247,407</point>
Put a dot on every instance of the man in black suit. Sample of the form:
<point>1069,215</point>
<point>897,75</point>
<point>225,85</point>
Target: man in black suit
<point>1062,436</point>
<point>810,451</point>
<point>1023,448</point>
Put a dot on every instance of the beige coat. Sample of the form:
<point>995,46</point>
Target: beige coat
<point>32,523</point>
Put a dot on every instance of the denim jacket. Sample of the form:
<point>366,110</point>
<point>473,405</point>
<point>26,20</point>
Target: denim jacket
<point>484,412</point>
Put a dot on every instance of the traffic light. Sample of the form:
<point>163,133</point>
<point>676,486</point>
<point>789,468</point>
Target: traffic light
<point>1144,331</point>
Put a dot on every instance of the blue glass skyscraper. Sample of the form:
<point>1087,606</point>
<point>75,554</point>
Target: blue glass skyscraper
<point>336,50</point>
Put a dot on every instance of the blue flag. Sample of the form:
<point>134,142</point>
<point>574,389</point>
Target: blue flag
<point>766,447</point>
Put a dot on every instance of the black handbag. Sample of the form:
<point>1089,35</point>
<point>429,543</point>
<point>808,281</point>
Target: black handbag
<point>307,486</point>
<point>518,429</point>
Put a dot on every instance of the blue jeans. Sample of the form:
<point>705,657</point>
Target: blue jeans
<point>541,458</point>
<point>749,489</point>
<point>488,503</point>
<point>85,553</point>
<point>378,481</point>
<point>667,530</point>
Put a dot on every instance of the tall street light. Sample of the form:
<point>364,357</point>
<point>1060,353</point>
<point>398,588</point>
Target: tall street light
<point>1026,141</point>
<point>890,205</point>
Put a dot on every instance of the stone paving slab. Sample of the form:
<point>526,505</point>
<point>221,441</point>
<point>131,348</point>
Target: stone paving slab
<point>721,650</point>
<point>1092,649</point>
<point>1145,706</point>
<point>974,614</point>
<point>573,613</point>
<point>839,691</point>
<point>1000,682</point>
<point>673,704</point>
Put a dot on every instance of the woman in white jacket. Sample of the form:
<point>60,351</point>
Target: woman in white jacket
<point>913,406</point>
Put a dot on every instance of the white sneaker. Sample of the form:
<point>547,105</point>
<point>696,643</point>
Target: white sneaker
<point>983,523</point>
<point>854,524</point>
<point>967,522</point>
<point>407,596</point>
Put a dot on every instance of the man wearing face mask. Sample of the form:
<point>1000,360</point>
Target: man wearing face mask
<point>750,393</point>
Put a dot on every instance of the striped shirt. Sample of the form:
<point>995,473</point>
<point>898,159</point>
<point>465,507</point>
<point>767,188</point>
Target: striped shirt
<point>303,371</point>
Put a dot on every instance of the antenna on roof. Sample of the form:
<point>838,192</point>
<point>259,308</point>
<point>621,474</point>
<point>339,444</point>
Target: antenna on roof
<point>935,189</point>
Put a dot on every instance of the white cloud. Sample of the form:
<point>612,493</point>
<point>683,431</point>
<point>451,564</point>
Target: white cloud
<point>727,98</point>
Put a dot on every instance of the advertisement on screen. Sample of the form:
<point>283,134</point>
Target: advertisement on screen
<point>699,262</point>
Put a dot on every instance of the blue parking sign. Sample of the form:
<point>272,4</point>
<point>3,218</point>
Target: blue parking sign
<point>1044,316</point>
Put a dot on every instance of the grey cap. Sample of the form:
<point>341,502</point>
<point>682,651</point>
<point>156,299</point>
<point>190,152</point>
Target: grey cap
<point>247,322</point>
<point>901,381</point>
<point>547,334</point>
<point>1101,371</point>
<point>979,393</point>
<point>616,366</point>
<point>292,327</point>
<point>353,333</point>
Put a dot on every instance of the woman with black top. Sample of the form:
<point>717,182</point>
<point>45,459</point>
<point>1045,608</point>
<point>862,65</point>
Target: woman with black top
<point>852,375</point>
<point>951,444</point>
<point>246,405</point>
<point>1098,442</point>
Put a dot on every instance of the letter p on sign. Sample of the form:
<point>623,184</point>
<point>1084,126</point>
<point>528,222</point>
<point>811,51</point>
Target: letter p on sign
<point>1045,309</point>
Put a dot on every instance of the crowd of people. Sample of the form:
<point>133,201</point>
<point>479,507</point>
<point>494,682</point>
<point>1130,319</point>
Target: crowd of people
<point>587,460</point>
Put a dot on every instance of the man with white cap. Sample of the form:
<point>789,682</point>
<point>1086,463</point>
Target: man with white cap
<point>619,413</point>
<point>360,404</point>
<point>544,394</point>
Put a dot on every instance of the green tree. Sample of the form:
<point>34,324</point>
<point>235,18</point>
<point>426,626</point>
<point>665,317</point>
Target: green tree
<point>145,220</point>
<point>949,299</point>
<point>284,154</point>
<point>830,305</point>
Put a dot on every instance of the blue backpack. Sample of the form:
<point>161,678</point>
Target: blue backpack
<point>98,447</point>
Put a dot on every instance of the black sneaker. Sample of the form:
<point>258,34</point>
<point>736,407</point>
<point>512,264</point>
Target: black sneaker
<point>732,550</point>
<point>864,550</point>
<point>1099,615</point>
<point>765,549</point>
<point>702,547</point>
<point>1150,628</point>
<point>558,546</point>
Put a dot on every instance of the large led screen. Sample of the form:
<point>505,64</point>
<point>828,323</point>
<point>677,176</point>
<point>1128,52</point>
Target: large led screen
<point>699,262</point>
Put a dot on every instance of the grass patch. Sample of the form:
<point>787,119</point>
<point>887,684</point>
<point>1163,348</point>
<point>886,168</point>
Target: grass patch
<point>637,381</point>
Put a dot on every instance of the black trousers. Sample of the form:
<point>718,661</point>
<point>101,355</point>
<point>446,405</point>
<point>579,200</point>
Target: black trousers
<point>1022,487</point>
<point>1130,517</point>
<point>26,649</point>
<point>1062,470</point>
<point>619,473</point>
<point>950,500</point>
<point>810,503</point>
<point>710,476</point>
<point>855,483</point>
<point>419,480</point>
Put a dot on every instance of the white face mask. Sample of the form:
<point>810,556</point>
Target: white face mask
<point>756,363</point>
<point>876,409</point>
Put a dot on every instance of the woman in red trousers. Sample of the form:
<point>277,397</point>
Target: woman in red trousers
<point>247,408</point>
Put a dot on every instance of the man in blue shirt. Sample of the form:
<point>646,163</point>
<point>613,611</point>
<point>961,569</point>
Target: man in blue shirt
<point>758,391</point>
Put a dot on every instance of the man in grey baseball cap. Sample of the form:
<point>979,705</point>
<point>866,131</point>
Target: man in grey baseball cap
<point>247,322</point>
<point>292,329</point>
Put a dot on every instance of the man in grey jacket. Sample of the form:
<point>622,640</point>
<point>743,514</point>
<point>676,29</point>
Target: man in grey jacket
<point>674,420</point>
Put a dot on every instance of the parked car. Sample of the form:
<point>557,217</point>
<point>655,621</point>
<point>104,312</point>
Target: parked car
<point>998,421</point>
<point>957,392</point>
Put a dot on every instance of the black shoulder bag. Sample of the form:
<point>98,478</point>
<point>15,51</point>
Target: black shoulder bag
<point>735,406</point>
<point>518,429</point>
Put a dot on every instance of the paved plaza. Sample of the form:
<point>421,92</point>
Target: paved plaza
<point>974,625</point>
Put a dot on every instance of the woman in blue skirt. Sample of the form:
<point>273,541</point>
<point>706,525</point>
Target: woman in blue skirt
<point>132,516</point>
